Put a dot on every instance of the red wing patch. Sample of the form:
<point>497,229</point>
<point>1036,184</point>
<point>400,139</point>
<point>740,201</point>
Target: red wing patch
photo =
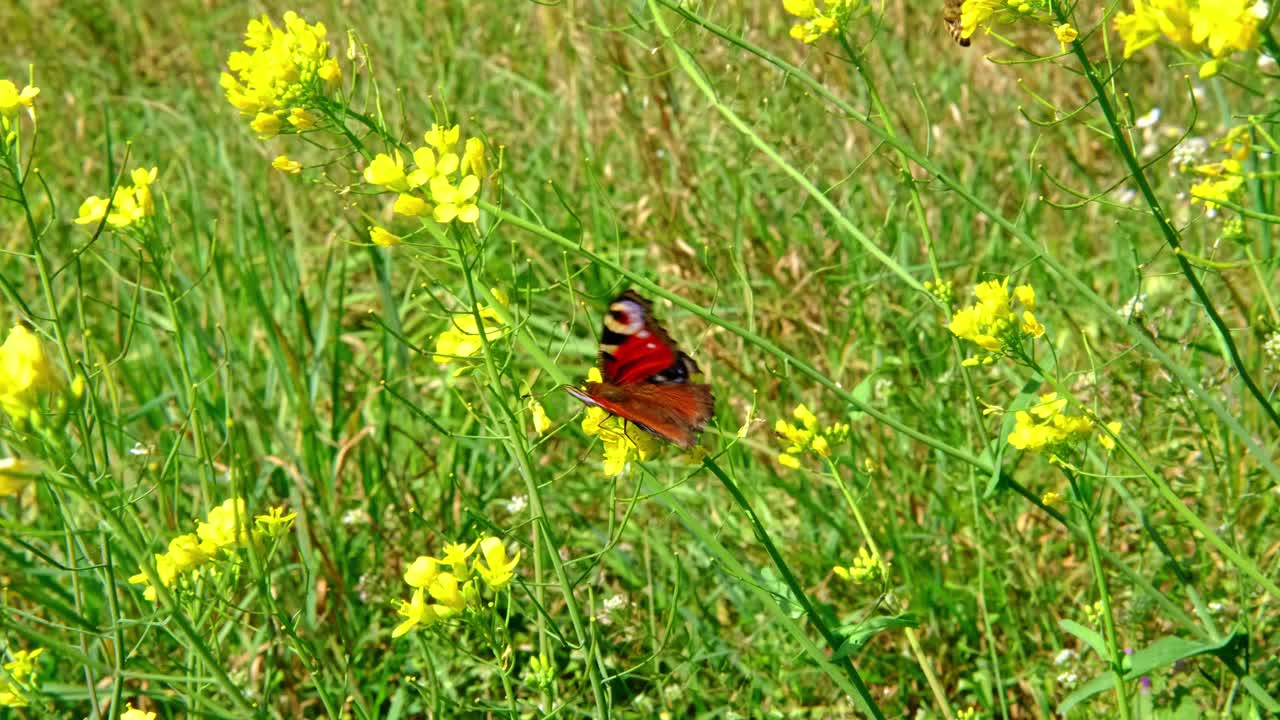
<point>675,412</point>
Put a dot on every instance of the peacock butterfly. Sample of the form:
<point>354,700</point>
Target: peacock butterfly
<point>647,380</point>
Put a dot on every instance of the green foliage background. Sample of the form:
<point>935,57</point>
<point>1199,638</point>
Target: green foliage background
<point>315,385</point>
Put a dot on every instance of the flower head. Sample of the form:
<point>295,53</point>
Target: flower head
<point>22,680</point>
<point>13,100</point>
<point>15,474</point>
<point>831,17</point>
<point>383,237</point>
<point>415,612</point>
<point>422,572</point>
<point>133,713</point>
<point>538,414</point>
<point>225,525</point>
<point>865,568</point>
<point>130,205</point>
<point>808,436</point>
<point>275,522</point>
<point>462,339</point>
<point>994,323</point>
<point>26,373</point>
<point>496,569</point>
<point>285,165</point>
<point>284,70</point>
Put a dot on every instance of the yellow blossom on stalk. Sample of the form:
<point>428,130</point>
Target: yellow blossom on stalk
<point>275,522</point>
<point>455,202</point>
<point>415,612</point>
<point>130,205</point>
<point>285,165</point>
<point>473,157</point>
<point>21,679</point>
<point>383,237</point>
<point>410,205</point>
<point>15,474</point>
<point>26,373</point>
<point>541,423</point>
<point>267,125</point>
<point>284,70</point>
<point>865,568</point>
<point>12,100</point>
<point>1224,26</point>
<point>462,339</point>
<point>441,138</point>
<point>1105,440</point>
<point>186,552</point>
<point>496,570</point>
<point>807,436</point>
<point>1050,498</point>
<point>302,119</point>
<point>1046,426</point>
<point>447,590</point>
<point>422,572</point>
<point>224,526</point>
<point>456,556</point>
<point>1153,19</point>
<point>993,323</point>
<point>833,15</point>
<point>1066,35</point>
<point>133,713</point>
<point>1223,182</point>
<point>387,171</point>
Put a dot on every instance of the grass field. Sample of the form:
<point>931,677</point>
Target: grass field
<point>283,429</point>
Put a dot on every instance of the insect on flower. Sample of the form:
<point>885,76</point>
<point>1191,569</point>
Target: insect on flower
<point>646,378</point>
<point>951,16</point>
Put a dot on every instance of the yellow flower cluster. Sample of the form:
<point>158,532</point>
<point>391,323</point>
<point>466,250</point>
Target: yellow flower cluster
<point>22,679</point>
<point>224,528</point>
<point>284,73</point>
<point>807,436</point>
<point>1219,27</point>
<point>462,338</point>
<point>993,323</point>
<point>26,373</point>
<point>13,100</point>
<point>865,568</point>
<point>831,17</point>
<point>130,205</point>
<point>452,591</point>
<point>442,182</point>
<point>1046,426</point>
<point>622,441</point>
<point>974,13</point>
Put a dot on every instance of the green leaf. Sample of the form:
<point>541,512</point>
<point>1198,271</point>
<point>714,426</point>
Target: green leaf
<point>856,636</point>
<point>1159,654</point>
<point>1089,636</point>
<point>862,393</point>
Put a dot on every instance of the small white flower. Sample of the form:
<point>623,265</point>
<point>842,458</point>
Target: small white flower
<point>516,504</point>
<point>1216,607</point>
<point>1064,657</point>
<point>1124,195</point>
<point>1266,63</point>
<point>356,516</point>
<point>1260,9</point>
<point>1135,306</point>
<point>1068,679</point>
<point>1190,151</point>
<point>615,602</point>
<point>139,449</point>
<point>1272,346</point>
<point>1148,120</point>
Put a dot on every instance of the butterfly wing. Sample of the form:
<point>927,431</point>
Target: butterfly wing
<point>951,15</point>
<point>675,412</point>
<point>634,348</point>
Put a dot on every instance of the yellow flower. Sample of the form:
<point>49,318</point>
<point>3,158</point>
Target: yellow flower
<point>1106,440</point>
<point>1050,498</point>
<point>446,590</point>
<point>92,210</point>
<point>12,100</point>
<point>1030,435</point>
<point>541,423</point>
<point>130,205</point>
<point>800,8</point>
<point>1153,19</point>
<point>1215,191</point>
<point>186,552</point>
<point>225,525</point>
<point>496,568</point>
<point>383,237</point>
<point>422,572</point>
<point>26,373</point>
<point>275,522</point>
<point>22,678</point>
<point>441,138</point>
<point>132,713</point>
<point>621,441</point>
<point>865,567</point>
<point>410,205</point>
<point>285,68</point>
<point>992,323</point>
<point>15,474</point>
<point>462,339</point>
<point>789,460</point>
<point>455,202</point>
<point>267,125</point>
<point>1066,35</point>
<point>1225,25</point>
<point>455,556</point>
<point>473,157</point>
<point>285,165</point>
<point>302,119</point>
<point>415,613</point>
<point>387,171</point>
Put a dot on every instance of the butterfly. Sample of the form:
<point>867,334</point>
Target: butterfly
<point>647,379</point>
<point>951,14</point>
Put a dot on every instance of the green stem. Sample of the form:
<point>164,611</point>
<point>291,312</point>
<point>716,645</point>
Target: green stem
<point>833,641</point>
<point>1139,176</point>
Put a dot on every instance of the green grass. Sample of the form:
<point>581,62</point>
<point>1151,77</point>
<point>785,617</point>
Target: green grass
<point>784,208</point>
